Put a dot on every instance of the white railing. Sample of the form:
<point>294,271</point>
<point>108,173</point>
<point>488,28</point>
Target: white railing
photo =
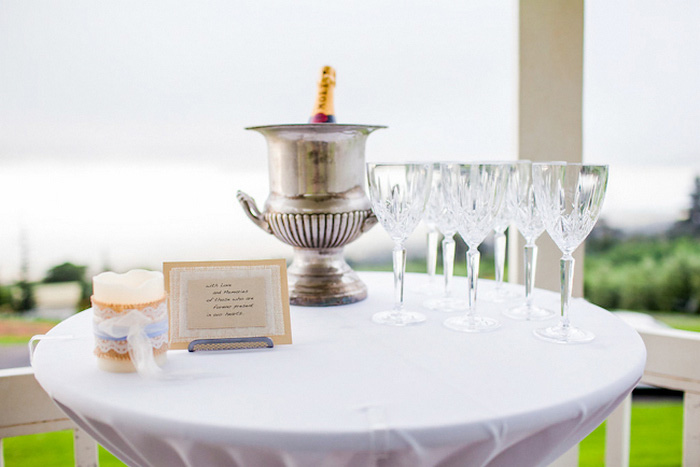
<point>673,362</point>
<point>26,409</point>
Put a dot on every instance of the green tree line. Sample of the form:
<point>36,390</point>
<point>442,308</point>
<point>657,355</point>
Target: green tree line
<point>19,296</point>
<point>645,274</point>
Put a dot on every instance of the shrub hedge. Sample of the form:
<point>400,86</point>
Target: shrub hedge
<point>645,274</point>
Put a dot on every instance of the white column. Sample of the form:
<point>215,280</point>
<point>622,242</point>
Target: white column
<point>550,109</point>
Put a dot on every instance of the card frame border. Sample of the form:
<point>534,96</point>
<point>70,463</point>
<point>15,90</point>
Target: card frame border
<point>278,339</point>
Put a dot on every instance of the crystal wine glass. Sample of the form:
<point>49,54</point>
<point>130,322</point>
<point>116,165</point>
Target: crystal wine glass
<point>398,193</point>
<point>569,197</point>
<point>477,192</point>
<point>529,222</point>
<point>430,219</point>
<point>446,222</point>
<point>503,220</point>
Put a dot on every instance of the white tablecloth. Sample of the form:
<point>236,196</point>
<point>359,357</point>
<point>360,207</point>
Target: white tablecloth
<point>351,392</point>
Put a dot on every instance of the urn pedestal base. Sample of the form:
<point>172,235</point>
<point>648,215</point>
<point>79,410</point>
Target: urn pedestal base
<point>321,277</point>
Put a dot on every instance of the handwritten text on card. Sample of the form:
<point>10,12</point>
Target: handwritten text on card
<point>228,303</point>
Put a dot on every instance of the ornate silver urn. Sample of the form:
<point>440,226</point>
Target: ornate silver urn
<point>317,204</point>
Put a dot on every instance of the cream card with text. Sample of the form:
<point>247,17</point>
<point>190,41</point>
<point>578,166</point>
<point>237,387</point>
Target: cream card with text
<point>225,299</point>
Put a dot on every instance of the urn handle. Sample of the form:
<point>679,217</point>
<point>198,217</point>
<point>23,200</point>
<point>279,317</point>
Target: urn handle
<point>369,222</point>
<point>252,211</point>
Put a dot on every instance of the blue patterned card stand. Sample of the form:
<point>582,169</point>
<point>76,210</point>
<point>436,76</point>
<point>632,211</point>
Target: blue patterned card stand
<point>234,343</point>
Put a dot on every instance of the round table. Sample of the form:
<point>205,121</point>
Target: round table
<point>352,392</point>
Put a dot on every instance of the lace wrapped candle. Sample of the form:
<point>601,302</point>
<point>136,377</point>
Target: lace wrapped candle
<point>130,321</point>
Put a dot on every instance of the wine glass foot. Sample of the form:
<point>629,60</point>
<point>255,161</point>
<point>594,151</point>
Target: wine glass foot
<point>499,295</point>
<point>427,288</point>
<point>529,313</point>
<point>398,318</point>
<point>446,304</point>
<point>471,323</point>
<point>564,334</point>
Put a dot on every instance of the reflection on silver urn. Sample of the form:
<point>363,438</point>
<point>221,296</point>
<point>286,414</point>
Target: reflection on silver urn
<point>317,204</point>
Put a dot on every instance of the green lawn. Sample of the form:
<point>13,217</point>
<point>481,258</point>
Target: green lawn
<point>656,437</point>
<point>14,340</point>
<point>16,329</point>
<point>687,321</point>
<point>48,450</point>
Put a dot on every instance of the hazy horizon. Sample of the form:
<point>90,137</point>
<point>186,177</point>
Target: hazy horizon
<point>184,212</point>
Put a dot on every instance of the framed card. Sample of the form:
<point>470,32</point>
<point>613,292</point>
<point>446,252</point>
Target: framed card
<point>227,299</point>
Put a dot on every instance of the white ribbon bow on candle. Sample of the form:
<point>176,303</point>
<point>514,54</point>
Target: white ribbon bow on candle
<point>133,325</point>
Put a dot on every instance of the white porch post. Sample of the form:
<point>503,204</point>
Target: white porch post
<point>550,110</point>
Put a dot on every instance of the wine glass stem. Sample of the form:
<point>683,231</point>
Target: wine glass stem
<point>499,253</point>
<point>472,277</point>
<point>530,270</point>
<point>433,236</point>
<point>448,262</point>
<point>567,283</point>
<point>399,257</point>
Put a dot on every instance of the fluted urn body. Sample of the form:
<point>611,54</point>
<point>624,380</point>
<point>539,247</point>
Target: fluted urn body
<point>317,204</point>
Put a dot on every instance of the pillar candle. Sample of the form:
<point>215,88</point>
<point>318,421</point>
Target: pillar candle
<point>135,286</point>
<point>128,303</point>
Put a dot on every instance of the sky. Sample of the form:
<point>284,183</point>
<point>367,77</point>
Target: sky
<point>122,124</point>
<point>177,80</point>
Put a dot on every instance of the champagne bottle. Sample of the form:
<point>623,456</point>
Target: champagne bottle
<point>323,108</point>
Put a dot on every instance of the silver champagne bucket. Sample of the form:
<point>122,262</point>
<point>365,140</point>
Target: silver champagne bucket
<point>317,204</point>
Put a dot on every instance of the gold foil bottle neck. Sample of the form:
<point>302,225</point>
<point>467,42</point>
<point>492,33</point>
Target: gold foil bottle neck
<point>324,111</point>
